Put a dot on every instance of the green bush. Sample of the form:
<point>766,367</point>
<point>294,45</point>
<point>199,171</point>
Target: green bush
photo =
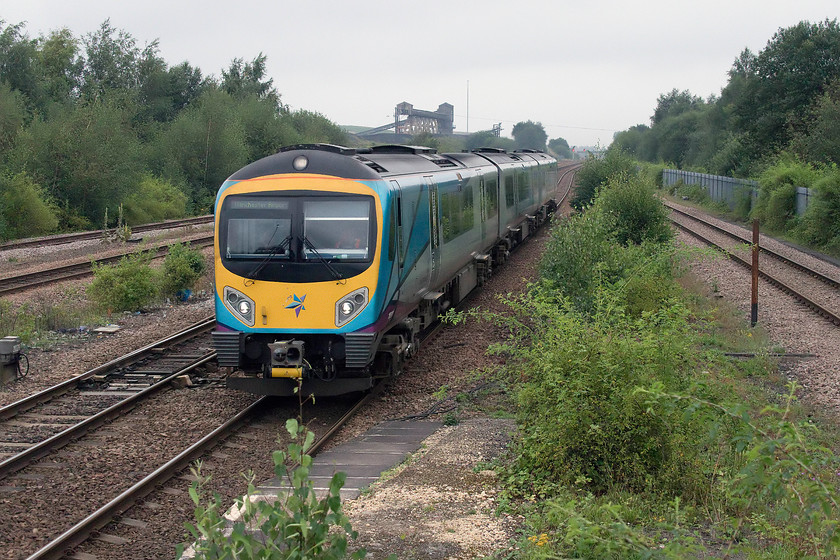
<point>297,526</point>
<point>154,200</point>
<point>182,268</point>
<point>820,226</point>
<point>25,209</point>
<point>582,423</point>
<point>636,212</point>
<point>597,171</point>
<point>128,285</point>
<point>776,203</point>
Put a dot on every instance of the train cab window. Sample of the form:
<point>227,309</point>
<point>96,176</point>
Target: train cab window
<point>509,193</point>
<point>336,229</point>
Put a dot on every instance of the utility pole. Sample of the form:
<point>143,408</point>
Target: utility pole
<point>468,106</point>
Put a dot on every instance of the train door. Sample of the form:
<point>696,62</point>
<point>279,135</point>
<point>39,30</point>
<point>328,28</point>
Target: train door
<point>434,231</point>
<point>482,204</point>
<point>398,239</point>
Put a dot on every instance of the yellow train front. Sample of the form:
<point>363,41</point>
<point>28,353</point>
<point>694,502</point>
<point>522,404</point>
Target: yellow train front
<point>330,262</point>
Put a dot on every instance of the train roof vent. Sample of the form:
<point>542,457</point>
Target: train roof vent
<point>490,150</point>
<point>372,164</point>
<point>529,151</point>
<point>400,149</point>
<point>441,161</point>
<point>323,147</point>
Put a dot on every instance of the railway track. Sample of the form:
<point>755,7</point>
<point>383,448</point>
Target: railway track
<point>819,291</point>
<point>26,281</point>
<point>118,506</point>
<point>62,239</point>
<point>42,423</point>
<point>569,172</point>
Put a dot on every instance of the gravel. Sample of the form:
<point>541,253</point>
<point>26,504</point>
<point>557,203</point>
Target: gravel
<point>789,325</point>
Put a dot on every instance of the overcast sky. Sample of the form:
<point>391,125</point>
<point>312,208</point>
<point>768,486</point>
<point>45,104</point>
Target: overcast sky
<point>584,69</point>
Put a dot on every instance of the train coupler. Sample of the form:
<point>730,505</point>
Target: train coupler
<point>287,358</point>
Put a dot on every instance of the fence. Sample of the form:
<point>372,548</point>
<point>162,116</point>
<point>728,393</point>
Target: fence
<point>727,189</point>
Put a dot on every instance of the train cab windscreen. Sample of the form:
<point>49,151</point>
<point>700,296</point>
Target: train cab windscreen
<point>290,237</point>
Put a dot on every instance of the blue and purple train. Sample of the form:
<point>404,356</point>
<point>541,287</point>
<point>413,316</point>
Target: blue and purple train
<point>330,262</point>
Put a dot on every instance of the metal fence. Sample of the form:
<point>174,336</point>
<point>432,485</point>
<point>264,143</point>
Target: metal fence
<point>729,190</point>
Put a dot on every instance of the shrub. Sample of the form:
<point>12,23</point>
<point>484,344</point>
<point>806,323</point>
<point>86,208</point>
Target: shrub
<point>637,213</point>
<point>182,268</point>
<point>25,209</point>
<point>128,285</point>
<point>297,526</point>
<point>820,225</point>
<point>597,171</point>
<point>602,436</point>
<point>154,200</point>
<point>776,203</point>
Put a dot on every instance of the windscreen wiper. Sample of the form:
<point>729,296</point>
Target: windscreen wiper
<point>336,274</point>
<point>273,250</point>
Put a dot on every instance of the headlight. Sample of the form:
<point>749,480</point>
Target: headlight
<point>349,306</point>
<point>240,305</point>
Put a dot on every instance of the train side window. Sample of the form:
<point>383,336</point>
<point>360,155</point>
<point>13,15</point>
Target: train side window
<point>491,194</point>
<point>456,211</point>
<point>509,200</point>
<point>523,186</point>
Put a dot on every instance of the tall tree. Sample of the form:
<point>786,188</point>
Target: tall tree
<point>560,147</point>
<point>529,135</point>
<point>248,78</point>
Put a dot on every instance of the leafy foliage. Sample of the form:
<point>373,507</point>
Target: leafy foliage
<point>154,200</point>
<point>25,209</point>
<point>128,285</point>
<point>182,268</point>
<point>296,526</point>
<point>596,172</point>
<point>529,134</point>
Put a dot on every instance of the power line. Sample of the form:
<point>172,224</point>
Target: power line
<point>473,117</point>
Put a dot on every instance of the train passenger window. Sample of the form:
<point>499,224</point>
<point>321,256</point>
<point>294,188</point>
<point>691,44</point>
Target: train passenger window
<point>523,186</point>
<point>456,210</point>
<point>509,191</point>
<point>491,194</point>
<point>336,229</point>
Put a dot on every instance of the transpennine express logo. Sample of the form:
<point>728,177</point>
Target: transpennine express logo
<point>297,304</point>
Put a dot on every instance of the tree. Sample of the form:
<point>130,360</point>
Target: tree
<point>248,78</point>
<point>673,104</point>
<point>203,146</point>
<point>87,157</point>
<point>776,89</point>
<point>62,66</point>
<point>529,135</point>
<point>820,140</point>
<point>19,63</point>
<point>12,116</point>
<point>560,147</point>
<point>114,62</point>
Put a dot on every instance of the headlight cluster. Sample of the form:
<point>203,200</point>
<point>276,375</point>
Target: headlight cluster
<point>350,305</point>
<point>240,305</point>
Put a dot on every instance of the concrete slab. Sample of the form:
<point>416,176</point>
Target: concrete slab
<point>363,459</point>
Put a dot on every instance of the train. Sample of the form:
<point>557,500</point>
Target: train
<point>331,262</point>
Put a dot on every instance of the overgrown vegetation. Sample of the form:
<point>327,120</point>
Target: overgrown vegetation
<point>297,525</point>
<point>132,283</point>
<point>638,437</point>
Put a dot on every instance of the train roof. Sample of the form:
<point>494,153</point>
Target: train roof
<point>376,162</point>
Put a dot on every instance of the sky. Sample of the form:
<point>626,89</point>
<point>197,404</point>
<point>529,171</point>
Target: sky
<point>584,69</point>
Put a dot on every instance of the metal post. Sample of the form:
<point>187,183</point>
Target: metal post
<point>754,310</point>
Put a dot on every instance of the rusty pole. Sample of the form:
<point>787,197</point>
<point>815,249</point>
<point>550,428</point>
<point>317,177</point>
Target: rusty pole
<point>754,307</point>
